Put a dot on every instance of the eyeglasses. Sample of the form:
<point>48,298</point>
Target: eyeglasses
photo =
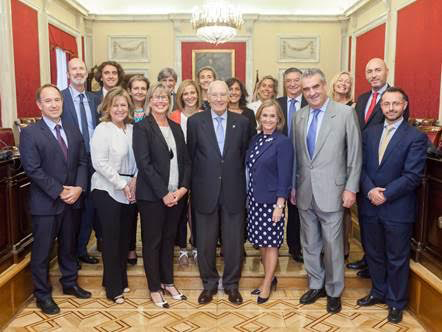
<point>395,104</point>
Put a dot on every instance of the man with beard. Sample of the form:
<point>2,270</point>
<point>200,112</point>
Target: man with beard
<point>80,110</point>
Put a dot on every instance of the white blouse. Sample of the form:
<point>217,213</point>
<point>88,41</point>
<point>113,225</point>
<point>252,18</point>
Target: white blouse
<point>113,159</point>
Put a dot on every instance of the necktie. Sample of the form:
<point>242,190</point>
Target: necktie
<point>61,142</point>
<point>84,126</point>
<point>384,143</point>
<point>372,106</point>
<point>220,133</point>
<point>292,110</point>
<point>311,134</point>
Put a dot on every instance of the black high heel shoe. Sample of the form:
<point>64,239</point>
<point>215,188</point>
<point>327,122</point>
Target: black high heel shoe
<point>261,300</point>
<point>257,291</point>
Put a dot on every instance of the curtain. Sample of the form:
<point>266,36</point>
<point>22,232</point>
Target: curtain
<point>62,68</point>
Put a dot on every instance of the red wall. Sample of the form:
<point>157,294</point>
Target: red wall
<point>368,45</point>
<point>240,57</point>
<point>26,57</point>
<point>419,56</point>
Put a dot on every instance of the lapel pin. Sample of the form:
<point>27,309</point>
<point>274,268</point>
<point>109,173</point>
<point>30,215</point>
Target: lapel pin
<point>233,126</point>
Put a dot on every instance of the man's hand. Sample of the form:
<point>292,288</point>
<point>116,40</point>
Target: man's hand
<point>293,196</point>
<point>179,193</point>
<point>170,200</point>
<point>348,199</point>
<point>376,196</point>
<point>70,194</point>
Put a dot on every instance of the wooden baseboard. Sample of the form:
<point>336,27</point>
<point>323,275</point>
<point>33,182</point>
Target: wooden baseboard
<point>425,301</point>
<point>15,289</point>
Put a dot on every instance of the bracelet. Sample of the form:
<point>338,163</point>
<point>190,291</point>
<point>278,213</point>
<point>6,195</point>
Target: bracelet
<point>278,206</point>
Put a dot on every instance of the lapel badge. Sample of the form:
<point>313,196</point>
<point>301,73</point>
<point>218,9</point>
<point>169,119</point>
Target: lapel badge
<point>269,139</point>
<point>233,126</point>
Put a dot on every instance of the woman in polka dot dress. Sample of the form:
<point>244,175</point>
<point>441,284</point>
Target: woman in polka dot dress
<point>269,162</point>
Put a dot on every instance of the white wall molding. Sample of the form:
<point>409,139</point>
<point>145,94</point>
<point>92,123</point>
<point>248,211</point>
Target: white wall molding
<point>7,67</point>
<point>249,58</point>
<point>66,28</point>
<point>381,19</point>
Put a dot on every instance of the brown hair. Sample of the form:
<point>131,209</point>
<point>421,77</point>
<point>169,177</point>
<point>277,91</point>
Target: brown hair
<point>99,72</point>
<point>109,100</point>
<point>269,103</point>
<point>48,85</point>
<point>179,95</point>
<point>275,87</point>
<point>152,90</point>
<point>205,68</point>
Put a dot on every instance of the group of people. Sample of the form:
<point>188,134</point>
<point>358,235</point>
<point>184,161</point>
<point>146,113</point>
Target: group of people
<point>206,159</point>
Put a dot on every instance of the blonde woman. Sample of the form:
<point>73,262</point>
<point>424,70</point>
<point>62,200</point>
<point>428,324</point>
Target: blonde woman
<point>267,88</point>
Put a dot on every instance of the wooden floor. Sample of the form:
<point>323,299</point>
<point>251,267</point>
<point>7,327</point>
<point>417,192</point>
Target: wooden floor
<point>282,313</point>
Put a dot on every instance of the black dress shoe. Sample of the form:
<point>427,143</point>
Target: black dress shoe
<point>48,306</point>
<point>363,274</point>
<point>234,295</point>
<point>206,296</point>
<point>88,259</point>
<point>78,292</point>
<point>369,300</point>
<point>78,264</point>
<point>312,295</point>
<point>333,304</point>
<point>358,265</point>
<point>132,261</point>
<point>99,245</point>
<point>394,315</point>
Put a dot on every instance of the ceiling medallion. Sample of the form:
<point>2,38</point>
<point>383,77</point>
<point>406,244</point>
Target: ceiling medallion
<point>216,21</point>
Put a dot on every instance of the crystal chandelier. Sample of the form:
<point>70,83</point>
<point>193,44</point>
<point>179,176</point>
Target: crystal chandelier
<point>216,21</point>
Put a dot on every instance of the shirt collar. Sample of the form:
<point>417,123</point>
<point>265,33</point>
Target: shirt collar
<point>75,93</point>
<point>322,108</point>
<point>214,115</point>
<point>51,124</point>
<point>298,99</point>
<point>104,92</point>
<point>381,90</point>
<point>395,124</point>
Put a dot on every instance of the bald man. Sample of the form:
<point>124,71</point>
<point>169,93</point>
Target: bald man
<point>80,110</point>
<point>369,112</point>
<point>217,142</point>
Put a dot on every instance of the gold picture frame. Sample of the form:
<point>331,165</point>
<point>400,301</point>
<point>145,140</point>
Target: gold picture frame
<point>222,60</point>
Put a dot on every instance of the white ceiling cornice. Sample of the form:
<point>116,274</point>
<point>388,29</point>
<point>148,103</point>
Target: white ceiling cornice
<point>77,6</point>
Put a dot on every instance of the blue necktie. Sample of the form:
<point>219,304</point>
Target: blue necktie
<point>220,133</point>
<point>311,135</point>
<point>84,126</point>
<point>292,110</point>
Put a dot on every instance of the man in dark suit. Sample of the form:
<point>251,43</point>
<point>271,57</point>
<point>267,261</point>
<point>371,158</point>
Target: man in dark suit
<point>53,157</point>
<point>394,155</point>
<point>109,75</point>
<point>290,104</point>
<point>80,110</point>
<point>217,142</point>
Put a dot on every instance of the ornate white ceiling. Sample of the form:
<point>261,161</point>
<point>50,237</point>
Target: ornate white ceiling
<point>262,7</point>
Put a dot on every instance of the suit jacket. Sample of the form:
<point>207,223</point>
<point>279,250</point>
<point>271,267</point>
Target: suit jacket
<point>337,160</point>
<point>44,163</point>
<point>377,116</point>
<point>212,170</point>
<point>400,172</point>
<point>153,159</point>
<point>70,115</point>
<point>283,103</point>
<point>273,168</point>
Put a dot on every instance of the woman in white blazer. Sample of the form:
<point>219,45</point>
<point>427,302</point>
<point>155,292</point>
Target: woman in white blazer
<point>113,187</point>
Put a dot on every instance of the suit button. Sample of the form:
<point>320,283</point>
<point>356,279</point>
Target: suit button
<point>222,161</point>
<point>219,177</point>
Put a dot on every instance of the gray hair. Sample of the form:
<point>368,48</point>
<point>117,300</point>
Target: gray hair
<point>292,70</point>
<point>212,84</point>
<point>309,72</point>
<point>167,72</point>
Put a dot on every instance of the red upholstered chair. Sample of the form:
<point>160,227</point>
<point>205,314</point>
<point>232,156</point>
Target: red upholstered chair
<point>433,133</point>
<point>6,137</point>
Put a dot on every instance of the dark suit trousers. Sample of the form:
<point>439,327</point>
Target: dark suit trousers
<point>293,229</point>
<point>387,246</point>
<point>114,218</point>
<point>133,221</point>
<point>44,230</point>
<point>232,232</point>
<point>159,225</point>
<point>88,218</point>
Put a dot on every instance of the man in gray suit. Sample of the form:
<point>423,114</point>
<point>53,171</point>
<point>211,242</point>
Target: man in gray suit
<point>327,142</point>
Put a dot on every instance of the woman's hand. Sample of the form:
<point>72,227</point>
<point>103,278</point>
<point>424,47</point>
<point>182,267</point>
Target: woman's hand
<point>132,186</point>
<point>277,214</point>
<point>127,192</point>
<point>179,193</point>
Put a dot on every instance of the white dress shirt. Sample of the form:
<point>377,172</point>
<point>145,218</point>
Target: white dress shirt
<point>51,124</point>
<point>112,156</point>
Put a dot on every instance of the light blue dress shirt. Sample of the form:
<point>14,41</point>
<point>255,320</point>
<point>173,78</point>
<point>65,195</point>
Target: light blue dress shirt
<point>76,98</point>
<point>395,127</point>
<point>320,117</point>
<point>51,124</point>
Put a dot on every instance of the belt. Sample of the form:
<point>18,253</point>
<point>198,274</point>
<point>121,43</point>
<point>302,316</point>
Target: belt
<point>129,175</point>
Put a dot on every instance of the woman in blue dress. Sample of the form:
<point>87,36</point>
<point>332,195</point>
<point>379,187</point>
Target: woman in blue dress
<point>269,162</point>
